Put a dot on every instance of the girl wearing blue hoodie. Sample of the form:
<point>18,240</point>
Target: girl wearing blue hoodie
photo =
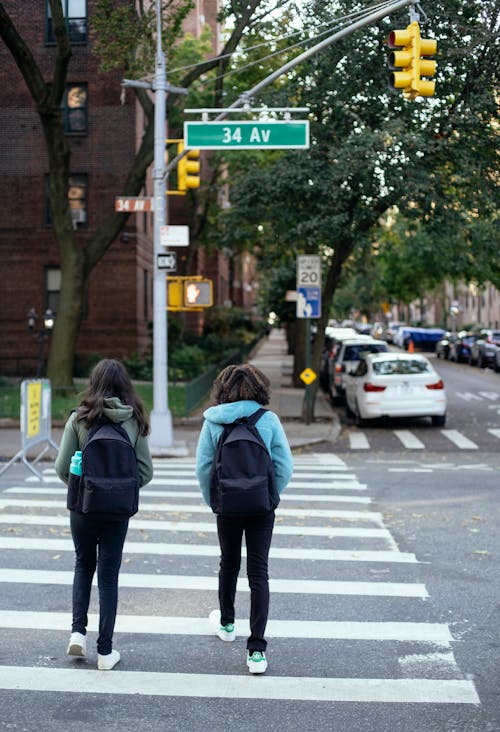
<point>240,391</point>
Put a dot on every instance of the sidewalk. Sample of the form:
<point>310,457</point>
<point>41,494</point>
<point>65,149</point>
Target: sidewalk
<point>272,358</point>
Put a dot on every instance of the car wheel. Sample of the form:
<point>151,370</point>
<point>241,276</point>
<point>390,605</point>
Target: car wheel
<point>358,419</point>
<point>438,355</point>
<point>439,420</point>
<point>348,411</point>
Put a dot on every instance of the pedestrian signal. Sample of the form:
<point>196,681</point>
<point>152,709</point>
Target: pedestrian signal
<point>198,293</point>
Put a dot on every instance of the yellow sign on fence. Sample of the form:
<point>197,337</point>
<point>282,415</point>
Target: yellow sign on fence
<point>34,408</point>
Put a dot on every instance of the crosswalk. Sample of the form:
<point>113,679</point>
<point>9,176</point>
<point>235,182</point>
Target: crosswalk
<point>431,439</point>
<point>337,574</point>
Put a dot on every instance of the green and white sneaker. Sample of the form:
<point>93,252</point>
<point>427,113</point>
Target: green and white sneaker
<point>256,662</point>
<point>227,632</point>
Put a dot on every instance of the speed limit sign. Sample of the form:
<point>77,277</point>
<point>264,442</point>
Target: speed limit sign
<point>308,270</point>
<point>308,286</point>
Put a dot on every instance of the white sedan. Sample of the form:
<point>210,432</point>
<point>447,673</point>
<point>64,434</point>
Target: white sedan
<point>395,385</point>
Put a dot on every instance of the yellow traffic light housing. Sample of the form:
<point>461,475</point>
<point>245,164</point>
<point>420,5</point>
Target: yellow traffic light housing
<point>407,64</point>
<point>188,169</point>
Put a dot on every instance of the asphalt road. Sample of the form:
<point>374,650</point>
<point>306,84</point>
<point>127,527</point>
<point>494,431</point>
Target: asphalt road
<point>384,609</point>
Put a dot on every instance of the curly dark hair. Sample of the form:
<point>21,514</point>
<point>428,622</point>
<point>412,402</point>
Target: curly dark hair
<point>242,381</point>
<point>109,378</point>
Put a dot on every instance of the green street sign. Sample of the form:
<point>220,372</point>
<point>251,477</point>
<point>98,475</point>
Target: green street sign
<point>246,135</point>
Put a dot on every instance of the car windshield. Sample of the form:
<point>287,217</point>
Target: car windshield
<point>406,366</point>
<point>354,353</point>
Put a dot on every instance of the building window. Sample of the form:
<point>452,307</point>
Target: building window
<point>74,109</point>
<point>52,288</point>
<point>77,197</point>
<point>75,13</point>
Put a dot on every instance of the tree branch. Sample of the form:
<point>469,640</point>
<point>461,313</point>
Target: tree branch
<point>63,53</point>
<point>23,57</point>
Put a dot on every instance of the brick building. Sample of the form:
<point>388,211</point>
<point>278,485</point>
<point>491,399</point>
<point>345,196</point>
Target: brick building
<point>103,133</point>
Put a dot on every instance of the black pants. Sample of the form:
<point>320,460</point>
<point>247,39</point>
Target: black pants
<point>258,535</point>
<point>89,536</point>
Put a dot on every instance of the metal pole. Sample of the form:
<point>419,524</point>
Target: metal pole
<point>161,418</point>
<point>308,399</point>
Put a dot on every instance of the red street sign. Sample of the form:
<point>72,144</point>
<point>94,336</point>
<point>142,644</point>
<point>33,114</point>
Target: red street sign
<point>134,204</point>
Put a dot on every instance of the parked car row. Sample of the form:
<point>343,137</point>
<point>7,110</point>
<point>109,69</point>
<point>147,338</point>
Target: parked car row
<point>477,349</point>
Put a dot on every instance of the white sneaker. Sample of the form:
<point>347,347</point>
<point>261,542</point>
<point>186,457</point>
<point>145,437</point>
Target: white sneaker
<point>107,662</point>
<point>257,663</point>
<point>77,645</point>
<point>225,632</point>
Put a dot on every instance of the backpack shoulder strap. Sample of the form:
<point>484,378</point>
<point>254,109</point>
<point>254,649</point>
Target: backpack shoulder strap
<point>254,418</point>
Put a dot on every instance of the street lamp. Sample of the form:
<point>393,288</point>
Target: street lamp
<point>42,334</point>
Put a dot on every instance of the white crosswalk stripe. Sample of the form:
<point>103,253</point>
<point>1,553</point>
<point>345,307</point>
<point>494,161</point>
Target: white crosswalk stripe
<point>358,440</point>
<point>39,514</point>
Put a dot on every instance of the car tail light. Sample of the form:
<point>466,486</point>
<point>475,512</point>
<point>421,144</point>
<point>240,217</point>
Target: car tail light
<point>372,387</point>
<point>338,368</point>
<point>438,385</point>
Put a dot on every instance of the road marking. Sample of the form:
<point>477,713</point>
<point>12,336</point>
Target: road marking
<point>459,439</point>
<point>145,493</point>
<point>468,396</point>
<point>293,688</point>
<point>358,441</point>
<point>409,440</point>
<point>204,550</point>
<point>410,470</point>
<point>436,633</point>
<point>200,583</point>
<point>312,484</point>
<point>495,432</point>
<point>491,395</point>
<point>187,508</point>
<point>199,527</point>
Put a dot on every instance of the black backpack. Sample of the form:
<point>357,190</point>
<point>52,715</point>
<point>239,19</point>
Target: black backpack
<point>242,482</point>
<point>109,483</point>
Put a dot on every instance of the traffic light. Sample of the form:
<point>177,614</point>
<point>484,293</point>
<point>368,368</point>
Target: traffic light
<point>188,169</point>
<point>407,64</point>
<point>197,293</point>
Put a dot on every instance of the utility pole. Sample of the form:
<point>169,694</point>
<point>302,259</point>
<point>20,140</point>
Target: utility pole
<point>161,417</point>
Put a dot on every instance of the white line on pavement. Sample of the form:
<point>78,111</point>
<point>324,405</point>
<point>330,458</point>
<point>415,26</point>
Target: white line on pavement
<point>86,681</point>
<point>204,550</point>
<point>459,439</point>
<point>191,526</point>
<point>494,432</point>
<point>193,582</point>
<point>437,633</point>
<point>409,440</point>
<point>358,441</point>
<point>145,493</point>
<point>186,508</point>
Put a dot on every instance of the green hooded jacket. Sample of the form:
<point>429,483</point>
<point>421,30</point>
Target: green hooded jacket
<point>75,434</point>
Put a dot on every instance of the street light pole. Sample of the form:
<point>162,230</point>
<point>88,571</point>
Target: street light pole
<point>161,417</point>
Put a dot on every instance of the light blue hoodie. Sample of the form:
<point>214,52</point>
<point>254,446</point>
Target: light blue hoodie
<point>269,427</point>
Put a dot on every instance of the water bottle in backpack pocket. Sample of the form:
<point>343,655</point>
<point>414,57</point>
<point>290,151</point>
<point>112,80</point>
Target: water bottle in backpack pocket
<point>73,500</point>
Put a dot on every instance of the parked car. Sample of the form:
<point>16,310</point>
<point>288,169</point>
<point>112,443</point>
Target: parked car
<point>333,336</point>
<point>444,344</point>
<point>460,347</point>
<point>484,349</point>
<point>391,330</point>
<point>348,354</point>
<point>395,385</point>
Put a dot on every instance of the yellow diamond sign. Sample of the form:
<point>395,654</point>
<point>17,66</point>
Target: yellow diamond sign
<point>308,376</point>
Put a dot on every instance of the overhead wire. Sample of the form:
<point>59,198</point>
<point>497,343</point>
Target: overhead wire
<point>333,25</point>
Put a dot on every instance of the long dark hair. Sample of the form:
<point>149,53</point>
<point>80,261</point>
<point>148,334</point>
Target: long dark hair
<point>243,381</point>
<point>109,378</point>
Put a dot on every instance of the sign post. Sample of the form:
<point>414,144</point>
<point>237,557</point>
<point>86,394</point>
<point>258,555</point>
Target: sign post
<point>308,306</point>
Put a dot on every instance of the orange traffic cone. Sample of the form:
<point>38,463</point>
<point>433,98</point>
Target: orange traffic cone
<point>411,347</point>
